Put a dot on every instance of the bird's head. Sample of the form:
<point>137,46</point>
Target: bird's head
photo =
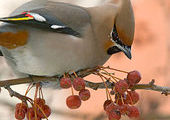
<point>123,30</point>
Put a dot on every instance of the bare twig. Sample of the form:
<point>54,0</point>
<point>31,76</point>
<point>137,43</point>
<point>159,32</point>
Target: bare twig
<point>152,86</point>
<point>15,94</point>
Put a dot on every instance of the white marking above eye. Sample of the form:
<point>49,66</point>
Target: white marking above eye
<point>38,17</point>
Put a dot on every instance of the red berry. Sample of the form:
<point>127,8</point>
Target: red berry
<point>78,84</point>
<point>65,83</point>
<point>20,114</point>
<point>133,112</point>
<point>123,109</point>
<point>133,77</point>
<point>132,97</point>
<point>111,107</point>
<point>20,110</point>
<point>106,103</point>
<point>114,115</point>
<point>121,86</point>
<point>84,94</point>
<point>130,86</point>
<point>73,102</point>
<point>46,110</point>
<point>39,101</point>
<point>30,113</point>
<point>22,106</point>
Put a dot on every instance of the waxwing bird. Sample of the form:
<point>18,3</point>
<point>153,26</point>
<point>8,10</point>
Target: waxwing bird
<point>53,38</point>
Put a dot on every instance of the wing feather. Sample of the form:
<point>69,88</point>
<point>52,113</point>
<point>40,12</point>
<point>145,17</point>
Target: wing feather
<point>37,20</point>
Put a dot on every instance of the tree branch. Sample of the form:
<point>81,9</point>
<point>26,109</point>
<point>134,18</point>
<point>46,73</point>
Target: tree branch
<point>92,85</point>
<point>15,94</point>
<point>36,79</point>
<point>152,86</point>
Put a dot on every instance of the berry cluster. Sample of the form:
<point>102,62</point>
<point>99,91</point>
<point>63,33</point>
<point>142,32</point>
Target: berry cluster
<point>38,110</point>
<point>123,104</point>
<point>124,98</point>
<point>74,101</point>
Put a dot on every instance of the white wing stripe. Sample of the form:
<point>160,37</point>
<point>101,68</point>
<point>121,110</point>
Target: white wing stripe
<point>57,26</point>
<point>38,17</point>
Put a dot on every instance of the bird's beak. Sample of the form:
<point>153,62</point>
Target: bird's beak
<point>117,48</point>
<point>126,50</point>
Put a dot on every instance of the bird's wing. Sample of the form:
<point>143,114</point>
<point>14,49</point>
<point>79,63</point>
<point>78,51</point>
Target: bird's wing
<point>58,17</point>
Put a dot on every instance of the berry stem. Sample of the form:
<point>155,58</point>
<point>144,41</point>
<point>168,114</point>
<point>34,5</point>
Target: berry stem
<point>109,74</point>
<point>36,91</point>
<point>41,93</point>
<point>122,99</point>
<point>107,96</point>
<point>115,69</point>
<point>42,111</point>
<point>105,86</point>
<point>72,91</point>
<point>106,72</point>
<point>64,75</point>
<point>30,100</point>
<point>35,96</point>
<point>28,89</point>
<point>29,116</point>
<point>104,76</point>
<point>35,111</point>
<point>75,74</point>
<point>116,77</point>
<point>130,99</point>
